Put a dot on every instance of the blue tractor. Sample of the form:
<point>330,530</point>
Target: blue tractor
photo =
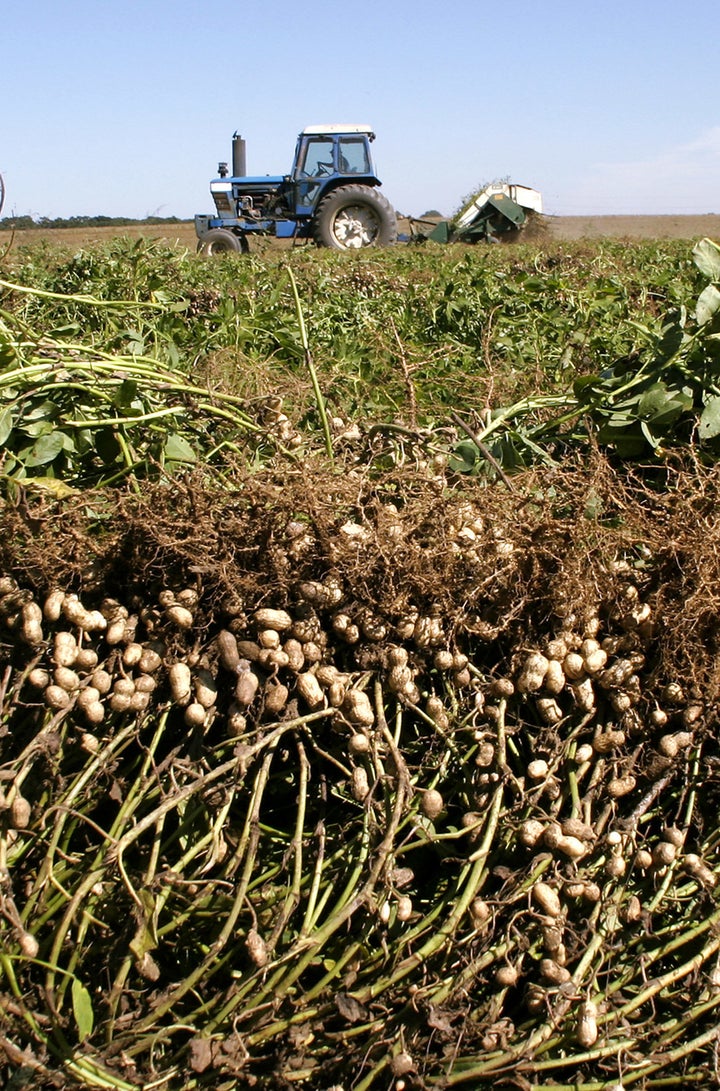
<point>331,195</point>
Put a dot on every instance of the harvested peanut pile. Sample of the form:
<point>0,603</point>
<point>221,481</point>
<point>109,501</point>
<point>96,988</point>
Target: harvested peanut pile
<point>331,783</point>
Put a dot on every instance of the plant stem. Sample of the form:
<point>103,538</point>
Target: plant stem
<point>309,363</point>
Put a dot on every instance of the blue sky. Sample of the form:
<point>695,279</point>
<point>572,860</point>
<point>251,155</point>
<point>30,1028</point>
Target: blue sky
<point>125,108</point>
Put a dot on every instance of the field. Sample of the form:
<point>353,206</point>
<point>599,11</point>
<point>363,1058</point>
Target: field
<point>635,227</point>
<point>359,664</point>
<point>560,228</point>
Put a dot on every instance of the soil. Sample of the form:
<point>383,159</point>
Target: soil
<point>635,227</point>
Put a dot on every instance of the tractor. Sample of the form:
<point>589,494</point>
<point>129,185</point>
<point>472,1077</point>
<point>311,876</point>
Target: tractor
<point>331,195</point>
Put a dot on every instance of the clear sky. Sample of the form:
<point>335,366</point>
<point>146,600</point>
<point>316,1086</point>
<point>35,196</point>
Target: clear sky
<point>125,108</point>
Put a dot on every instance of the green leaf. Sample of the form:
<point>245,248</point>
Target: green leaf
<point>65,333</point>
<point>654,400</point>
<point>43,411</point>
<point>663,406</point>
<point>464,457</point>
<point>82,1009</point>
<point>8,354</point>
<point>706,255</point>
<point>589,388</point>
<point>652,440</point>
<point>6,425</point>
<point>708,304</point>
<point>46,449</point>
<point>145,938</point>
<point>52,486</point>
<point>135,342</point>
<point>125,394</point>
<point>593,508</point>
<point>177,449</point>
<point>709,426</point>
<point>671,338</point>
<point>626,439</point>
<point>107,446</point>
<point>38,428</point>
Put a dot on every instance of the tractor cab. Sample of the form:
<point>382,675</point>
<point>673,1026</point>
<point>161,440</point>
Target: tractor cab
<point>330,155</point>
<point>333,149</point>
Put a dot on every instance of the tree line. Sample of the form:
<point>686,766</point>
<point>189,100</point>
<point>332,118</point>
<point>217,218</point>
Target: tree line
<point>24,223</point>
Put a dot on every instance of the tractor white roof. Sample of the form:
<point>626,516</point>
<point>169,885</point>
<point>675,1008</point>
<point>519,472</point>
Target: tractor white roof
<point>329,130</point>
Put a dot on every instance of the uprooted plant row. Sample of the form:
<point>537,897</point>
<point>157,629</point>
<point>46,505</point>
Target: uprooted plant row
<point>363,783</point>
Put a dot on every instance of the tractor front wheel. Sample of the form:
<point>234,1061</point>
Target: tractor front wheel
<point>353,217</point>
<point>221,241</point>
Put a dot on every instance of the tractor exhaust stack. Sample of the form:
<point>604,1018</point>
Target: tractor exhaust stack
<point>239,164</point>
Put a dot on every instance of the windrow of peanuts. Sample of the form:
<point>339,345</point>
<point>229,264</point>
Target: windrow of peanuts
<point>530,858</point>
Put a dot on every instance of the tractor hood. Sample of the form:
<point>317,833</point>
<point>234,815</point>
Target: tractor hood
<point>227,192</point>
<point>262,182</point>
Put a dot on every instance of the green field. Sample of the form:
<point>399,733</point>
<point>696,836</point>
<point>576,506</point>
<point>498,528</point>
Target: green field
<point>406,334</point>
<point>359,666</point>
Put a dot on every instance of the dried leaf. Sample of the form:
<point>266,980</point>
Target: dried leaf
<point>350,1008</point>
<point>438,1020</point>
<point>201,1054</point>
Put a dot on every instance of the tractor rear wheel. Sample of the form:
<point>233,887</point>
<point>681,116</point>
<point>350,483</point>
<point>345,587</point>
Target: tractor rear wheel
<point>353,217</point>
<point>221,241</point>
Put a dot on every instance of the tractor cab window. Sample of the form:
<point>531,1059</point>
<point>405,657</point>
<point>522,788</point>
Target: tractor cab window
<point>353,157</point>
<point>318,159</point>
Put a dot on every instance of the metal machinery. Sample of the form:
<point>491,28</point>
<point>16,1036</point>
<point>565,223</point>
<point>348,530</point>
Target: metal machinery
<point>331,195</point>
<point>500,209</point>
